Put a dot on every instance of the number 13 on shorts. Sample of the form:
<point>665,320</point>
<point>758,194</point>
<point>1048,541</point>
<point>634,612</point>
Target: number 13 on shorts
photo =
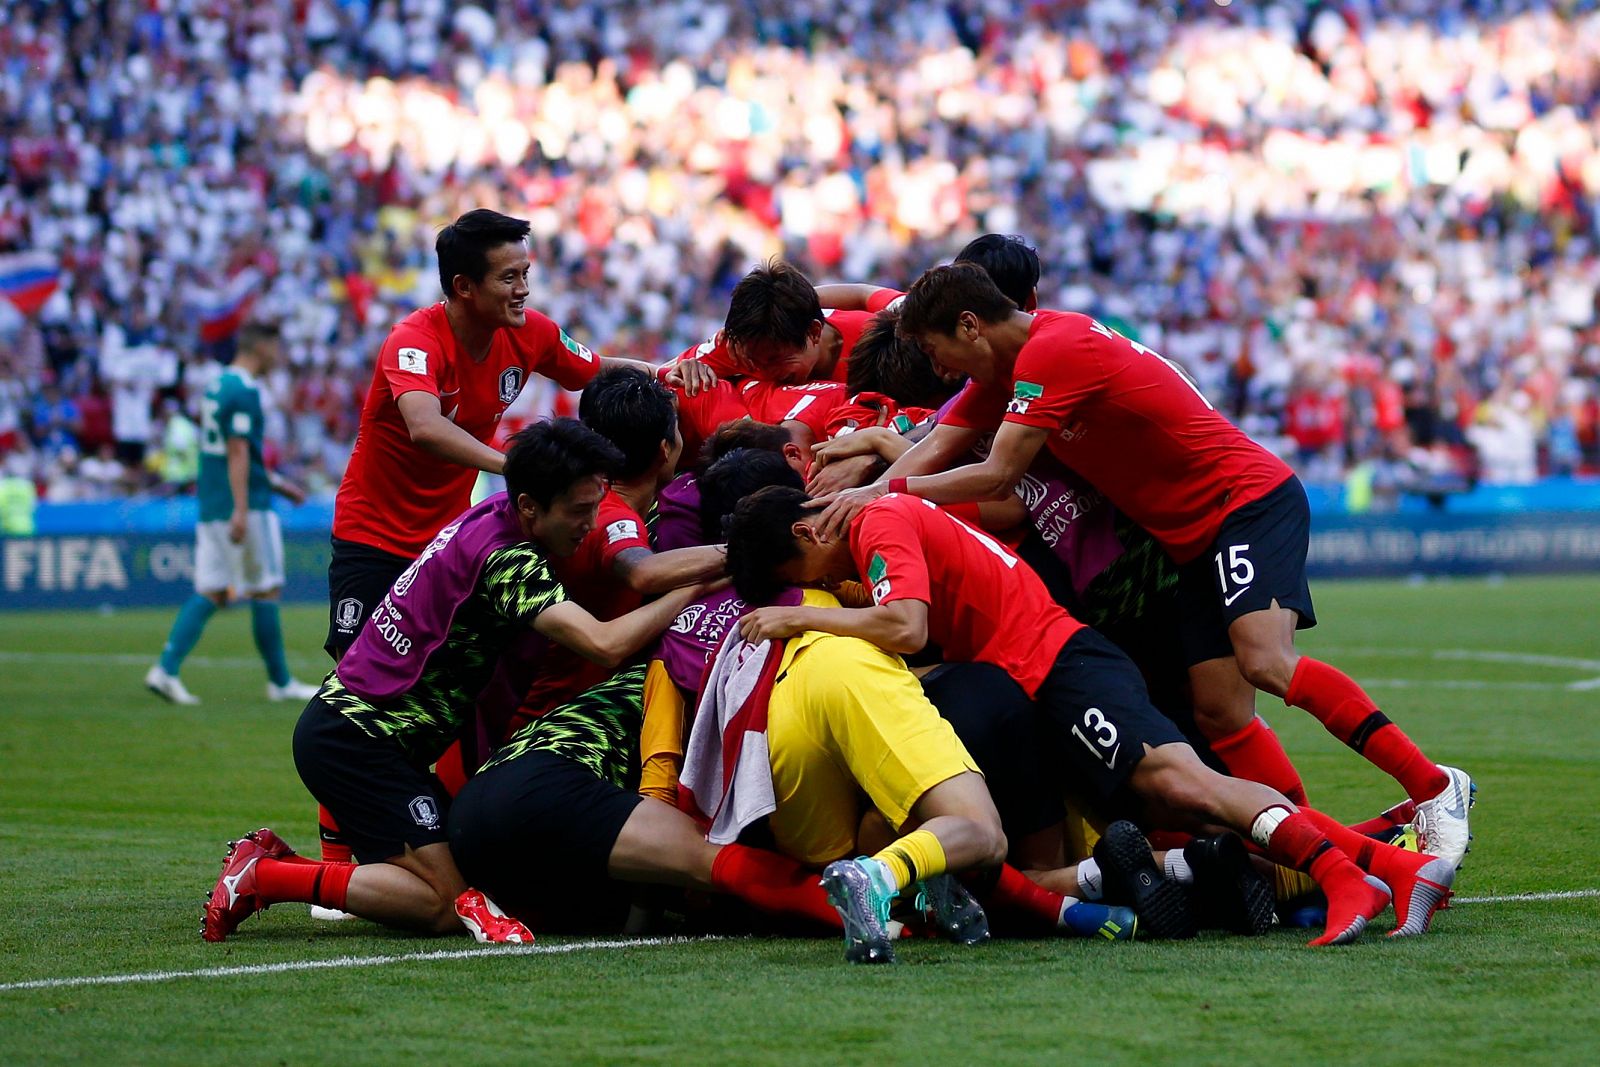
<point>1236,569</point>
<point>1105,746</point>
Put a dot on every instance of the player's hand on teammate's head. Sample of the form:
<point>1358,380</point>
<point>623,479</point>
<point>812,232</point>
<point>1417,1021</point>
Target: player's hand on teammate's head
<point>840,509</point>
<point>691,376</point>
<point>859,443</point>
<point>841,474</point>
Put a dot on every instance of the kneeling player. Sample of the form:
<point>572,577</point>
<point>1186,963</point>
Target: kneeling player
<point>934,577</point>
<point>407,686</point>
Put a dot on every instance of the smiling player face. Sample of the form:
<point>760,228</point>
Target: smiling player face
<point>500,298</point>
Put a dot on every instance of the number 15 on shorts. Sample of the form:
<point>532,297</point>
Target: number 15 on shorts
<point>1238,570</point>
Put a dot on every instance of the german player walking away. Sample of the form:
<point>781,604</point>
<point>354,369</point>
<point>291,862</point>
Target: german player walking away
<point>238,542</point>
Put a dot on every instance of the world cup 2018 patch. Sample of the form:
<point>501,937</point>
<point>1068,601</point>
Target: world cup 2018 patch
<point>1024,395</point>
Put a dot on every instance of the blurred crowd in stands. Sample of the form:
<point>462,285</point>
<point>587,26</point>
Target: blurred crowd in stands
<point>1368,230</point>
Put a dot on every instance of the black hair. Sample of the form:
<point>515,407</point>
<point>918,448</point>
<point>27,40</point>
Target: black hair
<point>734,477</point>
<point>884,362</point>
<point>463,246</point>
<point>549,457</point>
<point>774,304</point>
<point>937,299</point>
<point>1009,260</point>
<point>743,434</point>
<point>255,334</point>
<point>633,411</point>
<point>761,539</point>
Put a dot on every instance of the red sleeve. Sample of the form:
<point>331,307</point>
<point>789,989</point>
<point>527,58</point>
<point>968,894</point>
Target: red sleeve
<point>888,554</point>
<point>549,351</point>
<point>1056,370</point>
<point>975,408</point>
<point>715,355</point>
<point>883,299</point>
<point>812,404</point>
<point>409,361</point>
<point>624,529</point>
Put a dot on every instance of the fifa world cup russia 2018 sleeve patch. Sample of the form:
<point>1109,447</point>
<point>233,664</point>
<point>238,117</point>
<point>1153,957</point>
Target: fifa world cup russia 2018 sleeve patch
<point>577,348</point>
<point>878,575</point>
<point>414,360</point>
<point>241,423</point>
<point>622,530</point>
<point>1023,396</point>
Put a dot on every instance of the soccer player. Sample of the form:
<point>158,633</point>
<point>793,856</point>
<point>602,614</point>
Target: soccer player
<point>444,377</point>
<point>1230,514</point>
<point>238,544</point>
<point>615,568</point>
<point>934,578</point>
<point>406,688</point>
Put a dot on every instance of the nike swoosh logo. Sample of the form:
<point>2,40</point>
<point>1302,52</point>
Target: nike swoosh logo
<point>451,414</point>
<point>1111,761</point>
<point>1458,809</point>
<point>232,881</point>
<point>1236,595</point>
<point>452,392</point>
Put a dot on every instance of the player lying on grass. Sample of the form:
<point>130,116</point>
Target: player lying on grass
<point>404,690</point>
<point>1232,515</point>
<point>935,578</point>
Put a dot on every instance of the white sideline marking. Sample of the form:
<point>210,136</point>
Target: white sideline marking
<point>133,659</point>
<point>1518,898</point>
<point>1469,655</point>
<point>343,961</point>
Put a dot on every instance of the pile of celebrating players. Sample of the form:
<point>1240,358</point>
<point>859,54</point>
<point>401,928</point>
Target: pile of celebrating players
<point>931,612</point>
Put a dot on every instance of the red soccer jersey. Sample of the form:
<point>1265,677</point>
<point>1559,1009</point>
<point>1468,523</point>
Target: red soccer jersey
<point>714,352</point>
<point>394,495</point>
<point>699,416</point>
<point>591,582</point>
<point>984,604</point>
<point>1133,425</point>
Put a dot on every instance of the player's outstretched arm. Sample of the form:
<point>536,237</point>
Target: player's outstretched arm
<point>690,375</point>
<point>437,435</point>
<point>611,643</point>
<point>900,626</point>
<point>846,296</point>
<point>650,573</point>
<point>935,452</point>
<point>995,479</point>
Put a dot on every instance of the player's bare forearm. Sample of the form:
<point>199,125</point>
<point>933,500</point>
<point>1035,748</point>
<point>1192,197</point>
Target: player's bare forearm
<point>611,643</point>
<point>845,296</point>
<point>650,573</point>
<point>900,626</point>
<point>438,436</point>
<point>996,478</point>
<point>935,452</point>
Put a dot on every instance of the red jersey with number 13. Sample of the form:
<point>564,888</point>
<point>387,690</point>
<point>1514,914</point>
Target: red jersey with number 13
<point>1133,425</point>
<point>984,604</point>
<point>395,496</point>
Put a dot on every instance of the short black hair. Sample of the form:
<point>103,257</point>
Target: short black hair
<point>936,300</point>
<point>633,411</point>
<point>463,246</point>
<point>734,477</point>
<point>760,540</point>
<point>256,334</point>
<point>551,456</point>
<point>1009,260</point>
<point>884,362</point>
<point>746,434</point>
<point>774,304</point>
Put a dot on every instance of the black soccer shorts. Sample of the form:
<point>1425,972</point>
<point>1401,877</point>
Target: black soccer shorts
<point>380,801</point>
<point>1259,557</point>
<point>358,578</point>
<point>1098,715</point>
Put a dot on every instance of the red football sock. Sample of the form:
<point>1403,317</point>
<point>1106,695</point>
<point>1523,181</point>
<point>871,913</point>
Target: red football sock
<point>1389,863</point>
<point>1398,815</point>
<point>325,884</point>
<point>1017,894</point>
<point>1256,754</point>
<point>334,850</point>
<point>1297,841</point>
<point>772,882</point>
<point>1344,709</point>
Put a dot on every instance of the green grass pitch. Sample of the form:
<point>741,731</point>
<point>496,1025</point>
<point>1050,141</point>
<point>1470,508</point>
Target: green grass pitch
<point>114,807</point>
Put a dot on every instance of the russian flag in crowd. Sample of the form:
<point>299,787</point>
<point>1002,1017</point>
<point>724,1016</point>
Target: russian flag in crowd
<point>29,279</point>
<point>223,311</point>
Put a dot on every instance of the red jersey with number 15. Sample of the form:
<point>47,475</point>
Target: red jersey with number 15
<point>1133,425</point>
<point>984,604</point>
<point>395,496</point>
